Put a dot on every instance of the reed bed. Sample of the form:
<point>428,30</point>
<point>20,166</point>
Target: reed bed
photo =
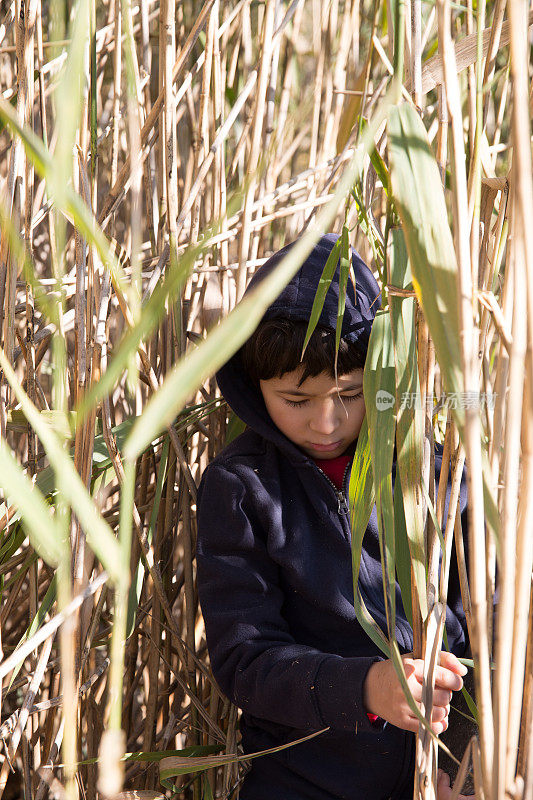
<point>152,156</point>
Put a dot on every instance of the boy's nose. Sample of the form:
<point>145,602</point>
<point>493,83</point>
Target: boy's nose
<point>325,420</point>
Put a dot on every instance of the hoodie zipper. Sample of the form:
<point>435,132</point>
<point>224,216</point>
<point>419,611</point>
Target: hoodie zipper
<point>342,504</point>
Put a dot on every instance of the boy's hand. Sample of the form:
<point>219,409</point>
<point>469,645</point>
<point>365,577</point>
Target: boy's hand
<point>383,694</point>
<point>444,790</point>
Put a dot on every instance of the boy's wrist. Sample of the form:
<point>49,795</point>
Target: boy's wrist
<point>338,689</point>
<point>370,683</point>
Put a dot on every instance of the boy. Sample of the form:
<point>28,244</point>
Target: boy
<point>274,562</point>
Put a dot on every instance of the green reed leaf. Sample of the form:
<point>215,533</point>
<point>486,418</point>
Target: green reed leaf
<point>69,96</point>
<point>410,417</point>
<point>322,290</point>
<point>377,162</point>
<point>151,313</point>
<point>67,200</point>
<point>419,199</point>
<point>154,757</point>
<point>138,577</point>
<point>344,276</point>
<point>472,707</point>
<point>20,571</point>
<point>46,479</point>
<point>19,253</point>
<point>99,535</point>
<point>361,496</point>
<point>187,752</point>
<point>234,427</point>
<point>369,229</point>
<point>38,522</point>
<point>379,385</point>
<point>208,792</point>
<point>39,618</point>
<point>63,423</point>
<point>14,536</point>
<point>174,766</point>
<point>403,555</point>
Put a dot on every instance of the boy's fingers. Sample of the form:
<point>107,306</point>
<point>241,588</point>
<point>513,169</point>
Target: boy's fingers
<point>439,721</point>
<point>411,724</point>
<point>440,727</point>
<point>443,785</point>
<point>440,713</point>
<point>447,675</point>
<point>413,666</point>
<point>443,779</point>
<point>442,697</point>
<point>416,691</point>
<point>446,679</point>
<point>450,661</point>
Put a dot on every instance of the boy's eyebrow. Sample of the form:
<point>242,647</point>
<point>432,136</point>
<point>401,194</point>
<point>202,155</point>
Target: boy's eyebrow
<point>298,393</point>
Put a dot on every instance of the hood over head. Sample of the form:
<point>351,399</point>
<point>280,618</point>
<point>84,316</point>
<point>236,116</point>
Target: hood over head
<point>295,303</point>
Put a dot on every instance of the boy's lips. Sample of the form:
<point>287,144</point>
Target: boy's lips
<point>325,447</point>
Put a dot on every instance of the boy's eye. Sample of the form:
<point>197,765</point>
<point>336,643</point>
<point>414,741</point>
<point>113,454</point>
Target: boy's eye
<point>343,397</point>
<point>352,396</point>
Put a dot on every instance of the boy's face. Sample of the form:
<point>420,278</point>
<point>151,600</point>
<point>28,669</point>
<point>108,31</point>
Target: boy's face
<point>322,417</point>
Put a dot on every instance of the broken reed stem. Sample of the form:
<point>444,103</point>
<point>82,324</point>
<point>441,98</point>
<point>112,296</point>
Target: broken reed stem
<point>522,215</point>
<point>332,11</point>
<point>151,118</point>
<point>507,565</point>
<point>33,573</point>
<point>522,164</point>
<point>416,51</point>
<point>202,138</point>
<point>67,635</point>
<point>256,135</point>
<point>219,177</point>
<point>525,749</point>
<point>319,53</point>
<point>524,565</point>
<point>474,171</point>
<point>84,438</point>
<point>169,143</point>
<point>268,127</point>
<point>117,78</point>
<point>472,430</point>
<point>492,51</point>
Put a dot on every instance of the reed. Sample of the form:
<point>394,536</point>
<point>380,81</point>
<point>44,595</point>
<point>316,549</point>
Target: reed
<point>152,156</point>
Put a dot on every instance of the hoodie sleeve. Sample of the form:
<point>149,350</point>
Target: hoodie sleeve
<point>254,658</point>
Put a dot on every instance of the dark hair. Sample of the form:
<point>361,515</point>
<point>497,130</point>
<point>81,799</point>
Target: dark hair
<point>276,348</point>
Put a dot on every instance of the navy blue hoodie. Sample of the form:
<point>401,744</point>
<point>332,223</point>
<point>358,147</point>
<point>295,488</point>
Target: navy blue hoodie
<point>276,591</point>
